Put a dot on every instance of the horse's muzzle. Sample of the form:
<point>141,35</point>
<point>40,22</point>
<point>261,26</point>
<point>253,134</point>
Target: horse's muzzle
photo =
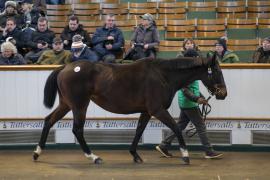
<point>221,93</point>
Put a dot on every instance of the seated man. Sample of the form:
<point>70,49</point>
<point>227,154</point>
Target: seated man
<point>80,51</point>
<point>223,54</point>
<point>57,55</point>
<point>72,29</point>
<point>30,14</point>
<point>41,40</point>
<point>13,34</point>
<point>262,54</point>
<point>10,12</point>
<point>9,55</point>
<point>108,40</point>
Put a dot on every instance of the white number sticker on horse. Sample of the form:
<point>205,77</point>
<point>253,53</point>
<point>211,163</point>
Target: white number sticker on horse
<point>77,69</point>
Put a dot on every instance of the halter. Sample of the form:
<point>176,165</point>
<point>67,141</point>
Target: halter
<point>210,78</point>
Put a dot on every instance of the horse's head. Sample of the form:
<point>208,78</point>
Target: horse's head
<point>214,80</point>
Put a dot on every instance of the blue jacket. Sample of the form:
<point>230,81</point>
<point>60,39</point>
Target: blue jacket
<point>86,54</point>
<point>101,35</point>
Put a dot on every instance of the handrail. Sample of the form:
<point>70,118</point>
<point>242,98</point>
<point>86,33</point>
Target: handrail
<point>51,67</point>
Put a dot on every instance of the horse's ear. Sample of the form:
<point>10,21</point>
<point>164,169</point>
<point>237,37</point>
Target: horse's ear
<point>211,58</point>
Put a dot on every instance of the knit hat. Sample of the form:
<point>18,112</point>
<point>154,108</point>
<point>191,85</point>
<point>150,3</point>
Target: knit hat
<point>148,17</point>
<point>77,42</point>
<point>222,42</point>
<point>11,3</point>
<point>267,39</point>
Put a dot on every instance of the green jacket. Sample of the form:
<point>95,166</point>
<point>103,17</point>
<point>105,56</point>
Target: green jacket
<point>229,57</point>
<point>50,57</point>
<point>187,97</point>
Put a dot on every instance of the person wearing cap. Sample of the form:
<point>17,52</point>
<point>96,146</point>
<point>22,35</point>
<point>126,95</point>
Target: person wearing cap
<point>80,51</point>
<point>9,55</point>
<point>74,27</point>
<point>223,54</point>
<point>145,38</point>
<point>13,34</point>
<point>30,14</point>
<point>10,12</point>
<point>2,5</point>
<point>41,40</point>
<point>57,55</point>
<point>108,40</point>
<point>262,54</point>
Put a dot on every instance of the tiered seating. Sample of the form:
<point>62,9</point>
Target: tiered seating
<point>58,12</point>
<point>120,10</point>
<point>172,10</point>
<point>180,29</point>
<point>87,12</point>
<point>231,9</point>
<point>260,9</point>
<point>263,28</point>
<point>241,28</point>
<point>137,9</point>
<point>202,10</point>
<point>210,28</point>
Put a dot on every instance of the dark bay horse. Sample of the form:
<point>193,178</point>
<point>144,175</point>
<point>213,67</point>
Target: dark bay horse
<point>147,86</point>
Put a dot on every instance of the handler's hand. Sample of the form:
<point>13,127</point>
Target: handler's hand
<point>202,101</point>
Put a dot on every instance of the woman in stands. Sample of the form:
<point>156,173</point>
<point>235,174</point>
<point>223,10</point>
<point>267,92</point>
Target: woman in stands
<point>144,40</point>
<point>223,54</point>
<point>262,54</point>
<point>188,44</point>
<point>9,55</point>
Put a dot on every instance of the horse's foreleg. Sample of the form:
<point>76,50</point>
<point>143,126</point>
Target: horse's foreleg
<point>50,120</point>
<point>167,119</point>
<point>143,120</point>
<point>78,125</point>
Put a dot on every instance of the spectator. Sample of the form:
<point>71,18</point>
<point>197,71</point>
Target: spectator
<point>262,54</point>
<point>40,5</point>
<point>2,5</point>
<point>57,55</point>
<point>223,54</point>
<point>188,44</point>
<point>55,1</point>
<point>108,40</point>
<point>72,29</point>
<point>31,15</point>
<point>145,38</point>
<point>80,51</point>
<point>9,55</point>
<point>41,40</point>
<point>10,12</point>
<point>13,34</point>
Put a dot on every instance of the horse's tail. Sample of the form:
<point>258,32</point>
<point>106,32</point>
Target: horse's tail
<point>50,89</point>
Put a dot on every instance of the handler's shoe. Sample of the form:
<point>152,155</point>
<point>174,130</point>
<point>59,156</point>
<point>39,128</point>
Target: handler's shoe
<point>212,155</point>
<point>163,151</point>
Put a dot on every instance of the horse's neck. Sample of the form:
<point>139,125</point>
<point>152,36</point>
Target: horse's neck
<point>180,78</point>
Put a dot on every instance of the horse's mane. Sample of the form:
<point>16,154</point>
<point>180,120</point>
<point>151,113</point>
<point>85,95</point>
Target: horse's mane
<point>180,63</point>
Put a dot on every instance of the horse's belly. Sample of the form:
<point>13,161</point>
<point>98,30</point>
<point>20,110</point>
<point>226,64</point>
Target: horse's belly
<point>118,106</point>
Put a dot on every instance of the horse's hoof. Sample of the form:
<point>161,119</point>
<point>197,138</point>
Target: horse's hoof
<point>186,160</point>
<point>35,156</point>
<point>138,160</point>
<point>98,161</point>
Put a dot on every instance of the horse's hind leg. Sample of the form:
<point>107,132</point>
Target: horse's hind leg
<point>143,120</point>
<point>78,125</point>
<point>167,119</point>
<point>50,120</point>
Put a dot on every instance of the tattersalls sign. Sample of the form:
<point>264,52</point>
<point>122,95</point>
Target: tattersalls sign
<point>132,124</point>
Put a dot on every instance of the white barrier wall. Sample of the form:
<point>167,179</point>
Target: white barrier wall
<point>244,111</point>
<point>21,95</point>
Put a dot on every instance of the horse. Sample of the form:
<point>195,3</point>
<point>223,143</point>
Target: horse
<point>146,86</point>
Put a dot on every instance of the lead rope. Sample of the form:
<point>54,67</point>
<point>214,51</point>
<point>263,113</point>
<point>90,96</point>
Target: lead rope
<point>205,110</point>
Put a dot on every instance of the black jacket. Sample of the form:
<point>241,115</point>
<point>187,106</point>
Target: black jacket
<point>67,34</point>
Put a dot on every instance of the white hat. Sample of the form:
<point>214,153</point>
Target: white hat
<point>77,42</point>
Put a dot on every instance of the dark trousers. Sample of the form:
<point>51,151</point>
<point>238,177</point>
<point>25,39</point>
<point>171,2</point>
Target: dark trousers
<point>187,115</point>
